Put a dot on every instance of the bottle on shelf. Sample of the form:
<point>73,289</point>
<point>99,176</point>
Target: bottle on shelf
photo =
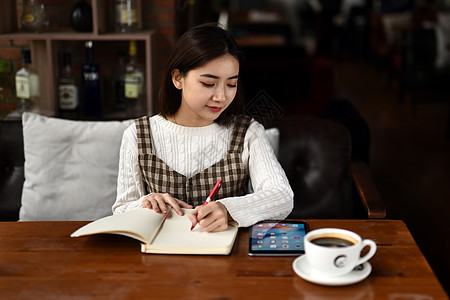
<point>133,82</point>
<point>81,16</point>
<point>27,87</point>
<point>91,84</point>
<point>34,17</point>
<point>68,88</point>
<point>126,15</point>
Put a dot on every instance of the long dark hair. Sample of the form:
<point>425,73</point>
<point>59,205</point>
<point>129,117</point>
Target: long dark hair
<point>195,48</point>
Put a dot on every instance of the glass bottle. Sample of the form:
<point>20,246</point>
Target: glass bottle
<point>133,79</point>
<point>27,86</point>
<point>34,18</point>
<point>81,17</point>
<point>126,15</point>
<point>90,72</point>
<point>68,89</point>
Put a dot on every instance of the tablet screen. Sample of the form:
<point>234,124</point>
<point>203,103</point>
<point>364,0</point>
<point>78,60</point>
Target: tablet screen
<point>277,238</point>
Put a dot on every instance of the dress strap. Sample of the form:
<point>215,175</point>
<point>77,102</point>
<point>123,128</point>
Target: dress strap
<point>143,134</point>
<point>238,136</point>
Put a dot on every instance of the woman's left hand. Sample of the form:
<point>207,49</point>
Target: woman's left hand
<point>213,217</point>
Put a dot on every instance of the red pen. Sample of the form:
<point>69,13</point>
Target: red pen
<point>212,194</point>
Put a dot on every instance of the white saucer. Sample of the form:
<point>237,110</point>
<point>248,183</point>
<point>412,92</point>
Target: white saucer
<point>302,268</point>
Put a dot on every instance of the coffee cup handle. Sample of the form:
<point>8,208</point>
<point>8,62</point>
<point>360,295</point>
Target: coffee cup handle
<point>373,249</point>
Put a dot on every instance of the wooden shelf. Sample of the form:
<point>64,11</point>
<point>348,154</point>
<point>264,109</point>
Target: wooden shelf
<point>72,35</point>
<point>46,46</point>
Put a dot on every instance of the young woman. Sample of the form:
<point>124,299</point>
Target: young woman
<point>175,158</point>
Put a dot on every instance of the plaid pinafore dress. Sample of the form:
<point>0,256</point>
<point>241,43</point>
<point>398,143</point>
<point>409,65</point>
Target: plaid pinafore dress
<point>160,178</point>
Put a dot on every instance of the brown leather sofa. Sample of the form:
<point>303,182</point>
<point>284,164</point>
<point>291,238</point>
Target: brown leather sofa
<point>328,182</point>
<point>315,153</point>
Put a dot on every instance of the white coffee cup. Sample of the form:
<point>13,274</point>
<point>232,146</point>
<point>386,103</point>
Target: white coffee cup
<point>335,252</point>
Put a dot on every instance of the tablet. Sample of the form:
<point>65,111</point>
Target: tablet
<point>277,238</point>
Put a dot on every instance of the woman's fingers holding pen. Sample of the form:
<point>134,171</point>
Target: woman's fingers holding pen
<point>216,219</point>
<point>193,217</point>
<point>212,217</point>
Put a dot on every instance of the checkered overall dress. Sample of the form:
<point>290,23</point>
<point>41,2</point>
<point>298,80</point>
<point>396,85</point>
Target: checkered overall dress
<point>160,178</point>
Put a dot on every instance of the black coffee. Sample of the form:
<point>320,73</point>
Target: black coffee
<point>331,242</point>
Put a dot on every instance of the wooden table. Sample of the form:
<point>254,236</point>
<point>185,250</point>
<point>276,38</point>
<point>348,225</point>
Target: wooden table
<point>38,260</point>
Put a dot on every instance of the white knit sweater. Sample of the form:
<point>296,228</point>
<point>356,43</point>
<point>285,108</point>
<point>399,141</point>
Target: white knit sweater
<point>189,150</point>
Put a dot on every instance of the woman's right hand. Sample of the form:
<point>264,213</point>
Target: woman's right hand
<point>158,202</point>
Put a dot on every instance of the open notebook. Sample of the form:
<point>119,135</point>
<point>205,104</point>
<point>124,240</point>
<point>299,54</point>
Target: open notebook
<point>169,234</point>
